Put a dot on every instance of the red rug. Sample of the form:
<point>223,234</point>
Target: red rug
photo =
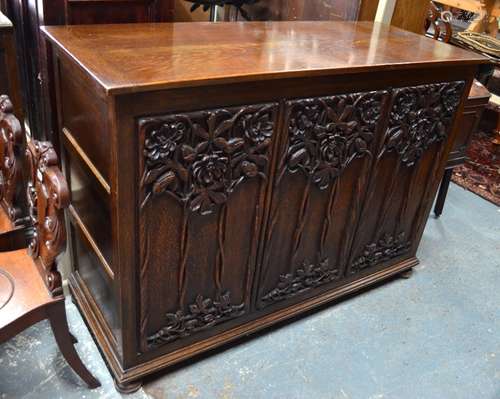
<point>481,173</point>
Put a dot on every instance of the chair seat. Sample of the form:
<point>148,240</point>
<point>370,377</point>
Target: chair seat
<point>22,290</point>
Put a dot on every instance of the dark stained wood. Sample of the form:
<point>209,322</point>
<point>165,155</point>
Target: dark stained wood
<point>368,10</point>
<point>28,16</point>
<point>476,102</point>
<point>31,288</point>
<point>249,181</point>
<point>12,197</point>
<point>118,11</point>
<point>9,74</point>
<point>410,14</point>
<point>474,107</point>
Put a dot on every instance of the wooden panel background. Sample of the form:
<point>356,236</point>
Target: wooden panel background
<point>410,15</point>
<point>289,10</point>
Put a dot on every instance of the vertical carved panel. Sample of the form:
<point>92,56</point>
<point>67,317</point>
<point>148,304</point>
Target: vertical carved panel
<point>203,182</point>
<point>48,197</point>
<point>419,124</point>
<point>11,143</point>
<point>314,188</point>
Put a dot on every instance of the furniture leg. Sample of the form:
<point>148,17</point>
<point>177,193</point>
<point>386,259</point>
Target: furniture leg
<point>59,324</point>
<point>128,387</point>
<point>73,339</point>
<point>443,190</point>
<point>406,274</point>
<point>496,131</point>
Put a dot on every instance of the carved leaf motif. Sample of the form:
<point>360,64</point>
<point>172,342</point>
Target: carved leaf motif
<point>326,134</point>
<point>305,278</point>
<point>386,248</point>
<point>202,314</point>
<point>201,157</point>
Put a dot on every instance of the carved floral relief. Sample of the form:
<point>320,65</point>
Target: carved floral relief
<point>386,248</point>
<point>420,117</point>
<point>202,314</point>
<point>201,157</point>
<point>304,278</point>
<point>326,134</point>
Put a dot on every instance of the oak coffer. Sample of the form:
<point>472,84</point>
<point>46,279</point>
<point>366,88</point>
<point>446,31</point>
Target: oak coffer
<point>228,176</point>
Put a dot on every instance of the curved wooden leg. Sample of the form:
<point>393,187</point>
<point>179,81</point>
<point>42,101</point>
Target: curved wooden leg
<point>443,190</point>
<point>73,339</point>
<point>59,324</point>
<point>128,387</point>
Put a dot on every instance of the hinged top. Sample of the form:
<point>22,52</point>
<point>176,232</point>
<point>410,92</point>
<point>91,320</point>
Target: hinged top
<point>140,57</point>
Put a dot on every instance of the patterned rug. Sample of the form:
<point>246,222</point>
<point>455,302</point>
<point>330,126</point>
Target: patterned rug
<point>481,173</point>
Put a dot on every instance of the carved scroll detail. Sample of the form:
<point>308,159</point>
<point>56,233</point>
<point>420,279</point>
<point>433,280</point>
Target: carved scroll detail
<point>420,117</point>
<point>303,279</point>
<point>201,157</point>
<point>387,248</point>
<point>48,196</point>
<point>203,314</point>
<point>11,144</point>
<point>326,134</point>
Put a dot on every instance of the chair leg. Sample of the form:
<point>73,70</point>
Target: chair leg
<point>443,190</point>
<point>73,339</point>
<point>59,324</point>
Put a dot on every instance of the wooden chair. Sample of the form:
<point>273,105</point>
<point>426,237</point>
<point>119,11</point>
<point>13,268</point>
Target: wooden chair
<point>30,284</point>
<point>438,26</point>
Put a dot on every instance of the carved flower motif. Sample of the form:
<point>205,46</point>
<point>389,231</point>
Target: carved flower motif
<point>258,127</point>
<point>421,117</point>
<point>210,170</point>
<point>201,157</point>
<point>327,134</point>
<point>162,143</point>
<point>369,110</point>
<point>451,98</point>
<point>333,146</point>
<point>404,105</point>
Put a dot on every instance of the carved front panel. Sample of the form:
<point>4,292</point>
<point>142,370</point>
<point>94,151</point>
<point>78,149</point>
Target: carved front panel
<point>351,189</point>
<point>329,145</point>
<point>203,183</point>
<point>405,175</point>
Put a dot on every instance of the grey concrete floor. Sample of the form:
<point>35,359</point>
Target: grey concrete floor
<point>436,335</point>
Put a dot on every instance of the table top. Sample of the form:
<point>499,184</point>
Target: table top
<point>140,57</point>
